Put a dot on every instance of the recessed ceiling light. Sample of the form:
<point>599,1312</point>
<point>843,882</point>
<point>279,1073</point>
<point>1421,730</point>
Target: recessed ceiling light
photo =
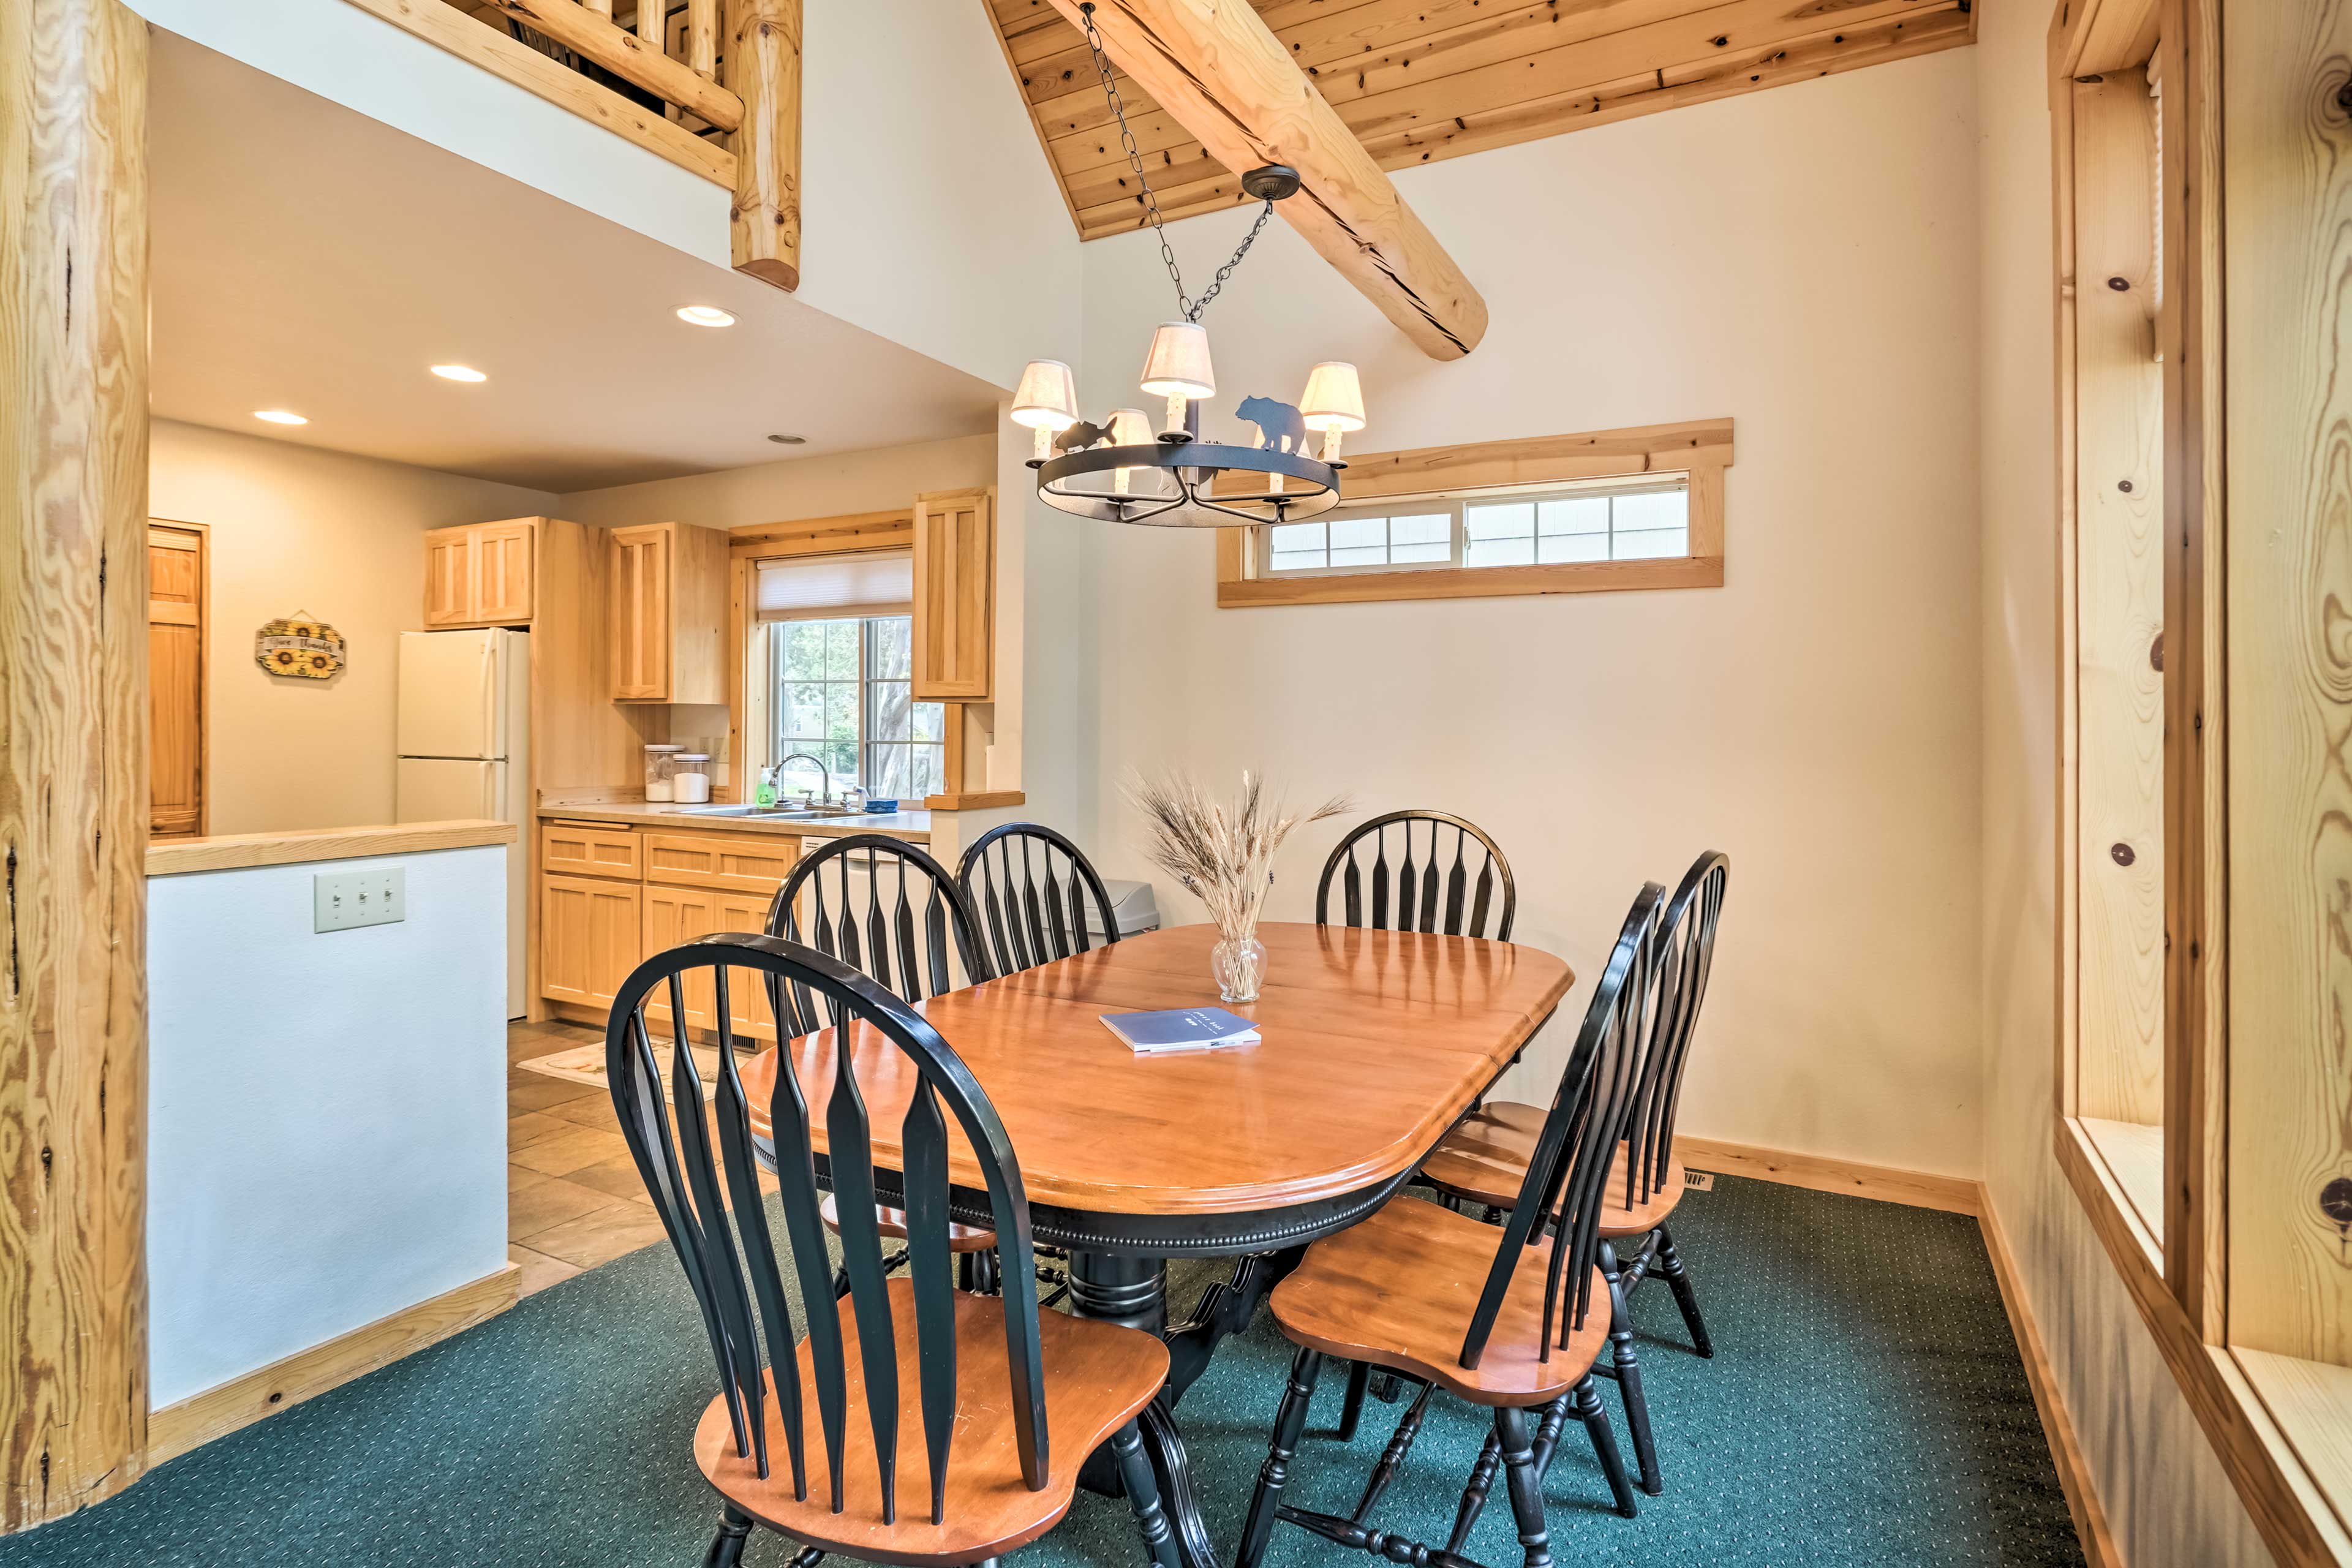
<point>789,440</point>
<point>279,417</point>
<point>705,316</point>
<point>459,372</point>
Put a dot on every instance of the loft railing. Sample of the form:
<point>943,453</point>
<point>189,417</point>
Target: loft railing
<point>713,86</point>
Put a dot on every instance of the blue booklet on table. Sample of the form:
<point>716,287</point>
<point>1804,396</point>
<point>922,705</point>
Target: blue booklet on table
<point>1181,1029</point>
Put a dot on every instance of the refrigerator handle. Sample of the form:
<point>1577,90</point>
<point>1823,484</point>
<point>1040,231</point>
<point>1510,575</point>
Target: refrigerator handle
<point>493,689</point>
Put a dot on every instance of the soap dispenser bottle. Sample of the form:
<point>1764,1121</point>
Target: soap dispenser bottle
<point>765,793</point>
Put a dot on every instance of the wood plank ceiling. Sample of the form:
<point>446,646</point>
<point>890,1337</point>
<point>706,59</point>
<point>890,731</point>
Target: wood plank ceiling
<point>1418,80</point>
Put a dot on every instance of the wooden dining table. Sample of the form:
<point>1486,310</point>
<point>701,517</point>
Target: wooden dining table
<point>1373,1044</point>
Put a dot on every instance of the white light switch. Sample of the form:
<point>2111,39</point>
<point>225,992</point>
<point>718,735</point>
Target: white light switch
<point>348,899</point>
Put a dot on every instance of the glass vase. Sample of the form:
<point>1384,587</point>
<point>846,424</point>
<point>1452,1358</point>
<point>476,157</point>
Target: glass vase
<point>1238,966</point>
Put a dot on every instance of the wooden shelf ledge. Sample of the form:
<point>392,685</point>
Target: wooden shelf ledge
<point>226,852</point>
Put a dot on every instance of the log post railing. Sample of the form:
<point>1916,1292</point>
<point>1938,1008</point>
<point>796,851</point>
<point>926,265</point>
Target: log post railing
<point>749,100</point>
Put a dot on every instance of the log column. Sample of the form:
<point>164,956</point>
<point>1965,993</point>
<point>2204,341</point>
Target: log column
<point>73,755</point>
<point>763,69</point>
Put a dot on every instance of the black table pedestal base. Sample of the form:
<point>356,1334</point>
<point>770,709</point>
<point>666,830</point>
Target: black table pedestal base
<point>1134,1292</point>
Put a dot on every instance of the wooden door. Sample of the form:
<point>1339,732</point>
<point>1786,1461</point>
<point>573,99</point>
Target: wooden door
<point>448,577</point>
<point>641,606</point>
<point>955,597</point>
<point>503,573</point>
<point>674,916</point>
<point>588,936</point>
<point>175,691</point>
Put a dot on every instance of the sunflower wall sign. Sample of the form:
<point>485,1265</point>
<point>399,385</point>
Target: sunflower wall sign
<point>299,649</point>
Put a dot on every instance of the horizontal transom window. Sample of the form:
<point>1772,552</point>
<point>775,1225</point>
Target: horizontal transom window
<point>1610,519</point>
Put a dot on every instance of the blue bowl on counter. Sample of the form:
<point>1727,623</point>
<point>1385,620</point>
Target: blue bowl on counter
<point>881,807</point>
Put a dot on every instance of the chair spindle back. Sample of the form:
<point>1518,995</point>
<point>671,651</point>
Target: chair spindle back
<point>1029,911</point>
<point>1686,954</point>
<point>711,1206</point>
<point>1421,890</point>
<point>893,938</point>
<point>1569,1168</point>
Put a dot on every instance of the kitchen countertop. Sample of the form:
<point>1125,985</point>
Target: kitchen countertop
<point>912,826</point>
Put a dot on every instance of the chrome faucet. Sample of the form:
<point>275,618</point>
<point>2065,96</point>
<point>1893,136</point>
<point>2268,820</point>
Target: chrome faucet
<point>825,799</point>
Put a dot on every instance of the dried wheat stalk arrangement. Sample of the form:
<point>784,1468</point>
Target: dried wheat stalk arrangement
<point>1222,852</point>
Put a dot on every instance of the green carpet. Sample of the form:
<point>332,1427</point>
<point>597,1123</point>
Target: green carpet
<point>1865,1409</point>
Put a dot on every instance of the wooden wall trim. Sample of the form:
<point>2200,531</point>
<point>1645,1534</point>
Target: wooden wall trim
<point>444,27</point>
<point>763,67</point>
<point>2260,1461</point>
<point>1828,1174</point>
<point>285,1383</point>
<point>2091,1528</point>
<point>231,851</point>
<point>73,756</point>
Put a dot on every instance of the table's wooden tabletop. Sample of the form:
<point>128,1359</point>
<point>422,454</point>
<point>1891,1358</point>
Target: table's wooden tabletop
<point>1374,1043</point>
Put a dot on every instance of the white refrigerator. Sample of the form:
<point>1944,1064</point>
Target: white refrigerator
<point>465,749</point>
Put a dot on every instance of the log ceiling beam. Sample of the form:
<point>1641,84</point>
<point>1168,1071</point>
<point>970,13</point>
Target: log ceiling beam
<point>1215,68</point>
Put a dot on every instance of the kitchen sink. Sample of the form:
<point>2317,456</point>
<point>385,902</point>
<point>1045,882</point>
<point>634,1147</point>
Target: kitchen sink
<point>774,813</point>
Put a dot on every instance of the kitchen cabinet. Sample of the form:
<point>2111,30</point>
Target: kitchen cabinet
<point>955,595</point>
<point>589,932</point>
<point>670,886</point>
<point>669,603</point>
<point>481,574</point>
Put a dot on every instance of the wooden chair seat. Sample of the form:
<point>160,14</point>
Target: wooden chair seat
<point>1486,1158</point>
<point>893,1223</point>
<point>1098,1375</point>
<point>1399,1292</point>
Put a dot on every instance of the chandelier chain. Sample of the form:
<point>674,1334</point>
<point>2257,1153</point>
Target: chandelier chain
<point>1191,307</point>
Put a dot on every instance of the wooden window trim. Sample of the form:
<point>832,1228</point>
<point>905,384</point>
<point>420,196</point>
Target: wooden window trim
<point>845,535</point>
<point>1702,449</point>
<point>2245,1401</point>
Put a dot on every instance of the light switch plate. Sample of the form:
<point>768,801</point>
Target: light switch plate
<point>347,900</point>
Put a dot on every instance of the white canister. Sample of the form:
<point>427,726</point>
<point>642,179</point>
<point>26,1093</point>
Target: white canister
<point>691,783</point>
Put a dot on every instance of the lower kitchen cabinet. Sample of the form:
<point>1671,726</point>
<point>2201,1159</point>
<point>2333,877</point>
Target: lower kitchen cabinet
<point>595,929</point>
<point>590,933</point>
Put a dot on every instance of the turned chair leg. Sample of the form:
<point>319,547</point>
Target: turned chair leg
<point>1526,1487</point>
<point>1289,1420</point>
<point>1628,1375</point>
<point>1359,1378</point>
<point>1473,1496</point>
<point>726,1546</point>
<point>1677,1278</point>
<point>1604,1445</point>
<point>1143,1496</point>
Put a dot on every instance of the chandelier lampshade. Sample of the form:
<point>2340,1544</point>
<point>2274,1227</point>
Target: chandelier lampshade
<point>1046,401</point>
<point>1178,367</point>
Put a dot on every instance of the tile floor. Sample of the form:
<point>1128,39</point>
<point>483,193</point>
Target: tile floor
<point>575,1199</point>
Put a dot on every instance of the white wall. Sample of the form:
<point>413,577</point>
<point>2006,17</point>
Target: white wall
<point>2165,1494</point>
<point>326,1136</point>
<point>930,216</point>
<point>1804,261</point>
<point>346,55</point>
<point>296,529</point>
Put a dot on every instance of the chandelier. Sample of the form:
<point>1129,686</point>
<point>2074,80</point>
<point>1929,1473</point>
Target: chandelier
<point>1121,471</point>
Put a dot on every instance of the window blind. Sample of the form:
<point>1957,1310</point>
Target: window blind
<point>833,588</point>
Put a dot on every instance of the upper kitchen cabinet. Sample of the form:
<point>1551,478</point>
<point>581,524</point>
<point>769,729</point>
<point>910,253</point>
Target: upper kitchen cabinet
<point>669,601</point>
<point>482,574</point>
<point>955,595</point>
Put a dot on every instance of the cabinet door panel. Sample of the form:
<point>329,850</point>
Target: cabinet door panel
<point>955,596</point>
<point>502,573</point>
<point>589,938</point>
<point>641,606</point>
<point>449,592</point>
<point>748,1015</point>
<point>674,916</point>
